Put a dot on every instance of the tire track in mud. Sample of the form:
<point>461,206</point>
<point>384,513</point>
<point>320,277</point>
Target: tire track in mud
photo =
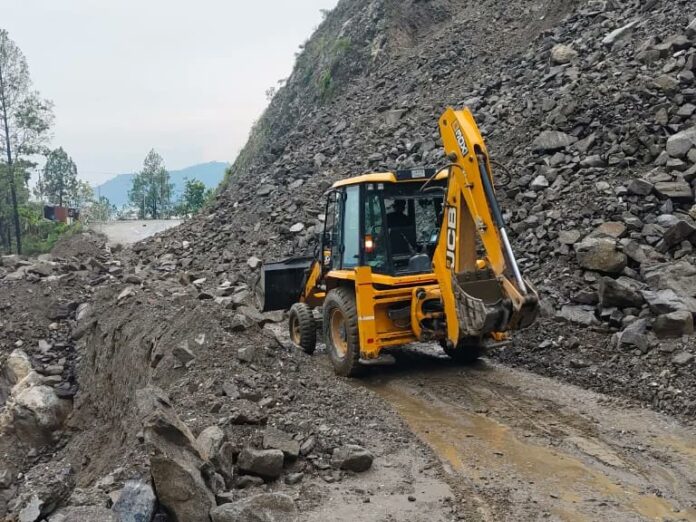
<point>533,448</point>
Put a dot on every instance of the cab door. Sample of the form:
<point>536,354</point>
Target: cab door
<point>341,244</point>
<point>351,249</point>
<point>331,240</point>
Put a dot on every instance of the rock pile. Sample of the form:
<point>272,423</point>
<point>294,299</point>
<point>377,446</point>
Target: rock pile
<point>237,430</point>
<point>594,120</point>
<point>591,107</point>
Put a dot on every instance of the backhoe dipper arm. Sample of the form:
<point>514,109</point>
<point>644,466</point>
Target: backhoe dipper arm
<point>472,211</point>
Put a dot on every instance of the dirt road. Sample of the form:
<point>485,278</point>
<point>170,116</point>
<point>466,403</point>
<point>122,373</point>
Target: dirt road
<point>128,232</point>
<point>533,448</point>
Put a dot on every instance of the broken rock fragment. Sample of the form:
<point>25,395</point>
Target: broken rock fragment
<point>267,464</point>
<point>674,324</point>
<point>136,502</point>
<point>601,255</point>
<point>352,458</point>
<point>175,461</point>
<point>267,507</point>
<point>552,141</point>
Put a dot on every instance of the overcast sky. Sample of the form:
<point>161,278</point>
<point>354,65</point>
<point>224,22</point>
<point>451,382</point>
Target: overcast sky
<point>184,77</point>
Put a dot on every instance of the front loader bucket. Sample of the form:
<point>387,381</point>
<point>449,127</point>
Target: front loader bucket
<point>280,284</point>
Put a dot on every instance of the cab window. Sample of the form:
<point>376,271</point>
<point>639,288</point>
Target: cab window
<point>351,227</point>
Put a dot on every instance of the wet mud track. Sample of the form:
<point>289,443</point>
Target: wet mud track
<point>531,448</point>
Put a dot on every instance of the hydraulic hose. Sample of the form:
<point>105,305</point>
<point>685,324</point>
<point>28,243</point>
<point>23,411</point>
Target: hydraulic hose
<point>499,221</point>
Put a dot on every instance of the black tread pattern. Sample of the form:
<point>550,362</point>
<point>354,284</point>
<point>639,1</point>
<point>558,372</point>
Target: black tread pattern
<point>302,313</point>
<point>343,299</point>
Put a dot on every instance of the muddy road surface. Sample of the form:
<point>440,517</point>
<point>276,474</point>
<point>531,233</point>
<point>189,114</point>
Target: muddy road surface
<point>531,448</point>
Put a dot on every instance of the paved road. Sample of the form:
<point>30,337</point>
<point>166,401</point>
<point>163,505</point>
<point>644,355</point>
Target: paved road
<point>128,232</point>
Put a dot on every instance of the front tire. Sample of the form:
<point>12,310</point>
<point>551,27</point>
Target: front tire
<point>341,334</point>
<point>303,327</point>
<point>468,350</point>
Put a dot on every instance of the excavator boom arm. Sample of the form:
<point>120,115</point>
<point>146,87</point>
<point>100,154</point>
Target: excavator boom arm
<point>477,301</point>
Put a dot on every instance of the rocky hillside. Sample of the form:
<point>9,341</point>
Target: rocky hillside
<point>151,362</point>
<point>591,108</point>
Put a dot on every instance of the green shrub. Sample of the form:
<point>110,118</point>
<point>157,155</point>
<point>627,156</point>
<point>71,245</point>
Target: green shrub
<point>325,84</point>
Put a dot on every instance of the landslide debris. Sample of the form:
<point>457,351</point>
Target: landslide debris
<point>177,402</point>
<point>161,357</point>
<point>590,106</point>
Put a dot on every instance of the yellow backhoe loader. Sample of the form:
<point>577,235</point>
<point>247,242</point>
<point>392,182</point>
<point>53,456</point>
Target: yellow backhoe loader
<point>408,256</point>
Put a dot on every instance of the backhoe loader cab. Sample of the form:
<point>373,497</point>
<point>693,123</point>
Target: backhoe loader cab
<point>384,222</point>
<point>405,256</point>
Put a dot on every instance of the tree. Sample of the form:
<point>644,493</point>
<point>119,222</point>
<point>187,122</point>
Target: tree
<point>194,197</point>
<point>20,174</point>
<point>25,120</point>
<point>59,177</point>
<point>81,194</point>
<point>151,190</point>
<point>102,210</point>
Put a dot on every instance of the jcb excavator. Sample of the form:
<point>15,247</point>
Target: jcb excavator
<point>407,256</point>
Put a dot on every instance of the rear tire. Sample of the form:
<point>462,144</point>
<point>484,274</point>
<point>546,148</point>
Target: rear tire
<point>468,350</point>
<point>340,324</point>
<point>303,327</point>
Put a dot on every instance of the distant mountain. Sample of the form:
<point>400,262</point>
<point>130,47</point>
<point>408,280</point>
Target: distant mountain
<point>211,174</point>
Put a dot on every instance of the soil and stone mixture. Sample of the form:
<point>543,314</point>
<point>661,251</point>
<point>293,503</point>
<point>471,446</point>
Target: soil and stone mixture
<point>144,385</point>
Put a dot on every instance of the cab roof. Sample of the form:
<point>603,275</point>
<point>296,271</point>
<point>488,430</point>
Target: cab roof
<point>398,176</point>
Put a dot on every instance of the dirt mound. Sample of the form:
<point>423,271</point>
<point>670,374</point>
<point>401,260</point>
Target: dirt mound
<point>85,244</point>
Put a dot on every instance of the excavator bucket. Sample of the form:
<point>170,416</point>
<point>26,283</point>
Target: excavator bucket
<point>280,284</point>
<point>483,305</point>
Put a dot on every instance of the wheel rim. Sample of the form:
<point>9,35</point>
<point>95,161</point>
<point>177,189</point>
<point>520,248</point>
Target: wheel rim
<point>295,330</point>
<point>339,336</point>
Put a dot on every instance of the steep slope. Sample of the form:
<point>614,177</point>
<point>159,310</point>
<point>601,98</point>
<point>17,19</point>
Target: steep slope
<point>578,99</point>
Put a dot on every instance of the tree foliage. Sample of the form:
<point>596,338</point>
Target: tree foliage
<point>6,208</point>
<point>193,199</point>
<point>151,191</point>
<point>25,121</point>
<point>59,183</point>
<point>102,210</point>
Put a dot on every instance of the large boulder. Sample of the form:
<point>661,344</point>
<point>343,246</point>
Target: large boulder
<point>37,412</point>
<point>600,254</point>
<point>622,292</point>
<point>675,234</point>
<point>679,276</point>
<point>175,460</point>
<point>674,324</point>
<point>267,464</point>
<point>274,438</point>
<point>551,141</point>
<point>352,458</point>
<point>17,366</point>
<point>267,507</point>
<point>635,336</point>
<point>681,143</point>
<point>136,503</point>
<point>562,54</point>
<point>678,190</point>
<point>584,315</point>
<point>210,441</point>
<point>663,301</point>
